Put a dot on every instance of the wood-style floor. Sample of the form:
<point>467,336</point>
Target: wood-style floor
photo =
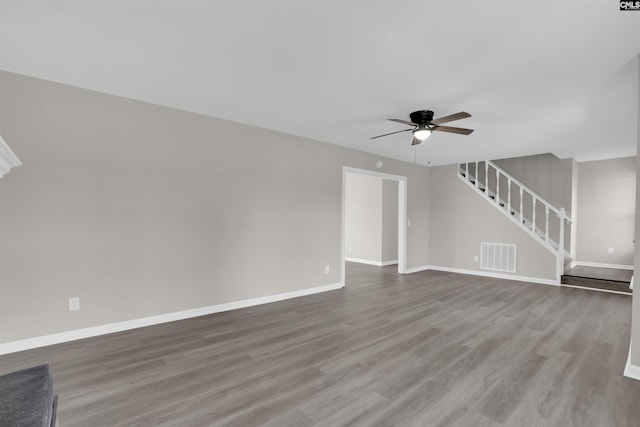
<point>426,349</point>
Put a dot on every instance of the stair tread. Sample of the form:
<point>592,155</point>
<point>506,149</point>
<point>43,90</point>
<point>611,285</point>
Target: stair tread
<point>611,274</point>
<point>586,282</point>
<point>598,278</point>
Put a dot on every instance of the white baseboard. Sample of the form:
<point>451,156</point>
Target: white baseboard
<point>596,289</point>
<point>551,282</point>
<point>42,341</point>
<point>417,269</point>
<point>631,371</point>
<point>369,262</point>
<point>601,265</point>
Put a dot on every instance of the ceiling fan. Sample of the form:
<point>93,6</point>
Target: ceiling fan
<point>424,125</point>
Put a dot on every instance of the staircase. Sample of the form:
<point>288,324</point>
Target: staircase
<point>545,223</point>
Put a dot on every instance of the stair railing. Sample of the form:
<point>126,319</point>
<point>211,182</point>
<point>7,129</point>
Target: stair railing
<point>488,184</point>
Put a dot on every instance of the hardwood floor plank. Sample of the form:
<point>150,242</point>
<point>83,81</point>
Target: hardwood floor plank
<point>507,394</point>
<point>431,348</point>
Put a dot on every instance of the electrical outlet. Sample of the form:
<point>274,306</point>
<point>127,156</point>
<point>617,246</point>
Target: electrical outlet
<point>610,250</point>
<point>475,258</point>
<point>74,303</point>
<point>350,248</point>
<point>327,269</point>
<point>408,223</point>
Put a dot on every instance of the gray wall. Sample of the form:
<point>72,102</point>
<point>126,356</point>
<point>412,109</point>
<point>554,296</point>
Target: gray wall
<point>554,180</point>
<point>371,218</point>
<point>460,220</point>
<point>363,217</point>
<point>546,175</point>
<point>389,220</point>
<point>606,210</point>
<point>141,210</point>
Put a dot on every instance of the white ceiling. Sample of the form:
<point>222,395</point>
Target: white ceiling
<point>537,76</point>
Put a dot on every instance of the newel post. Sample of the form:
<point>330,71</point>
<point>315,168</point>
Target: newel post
<point>562,215</point>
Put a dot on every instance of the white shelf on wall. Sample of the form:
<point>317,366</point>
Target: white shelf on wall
<point>8,159</point>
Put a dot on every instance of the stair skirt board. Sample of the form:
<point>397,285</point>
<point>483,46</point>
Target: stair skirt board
<point>525,224</point>
<point>513,213</point>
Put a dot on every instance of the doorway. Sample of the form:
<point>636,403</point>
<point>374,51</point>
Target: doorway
<point>401,226</point>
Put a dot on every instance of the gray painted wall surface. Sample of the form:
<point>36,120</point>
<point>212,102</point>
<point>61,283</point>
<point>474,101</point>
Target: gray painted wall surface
<point>142,210</point>
<point>546,175</point>
<point>371,218</point>
<point>363,217</point>
<point>389,220</point>
<point>606,211</point>
<point>461,219</point>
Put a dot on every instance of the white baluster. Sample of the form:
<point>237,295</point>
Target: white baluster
<point>546,227</point>
<point>560,255</point>
<point>509,196</point>
<point>486,178</point>
<point>477,174</point>
<point>533,220</point>
<point>521,196</point>
<point>562,215</point>
<point>497,186</point>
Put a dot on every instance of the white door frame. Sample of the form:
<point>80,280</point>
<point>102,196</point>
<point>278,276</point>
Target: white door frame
<point>402,215</point>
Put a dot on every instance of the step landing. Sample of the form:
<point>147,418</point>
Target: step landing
<point>607,279</point>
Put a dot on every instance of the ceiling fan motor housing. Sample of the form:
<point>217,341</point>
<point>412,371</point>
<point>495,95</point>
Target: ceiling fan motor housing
<point>421,117</point>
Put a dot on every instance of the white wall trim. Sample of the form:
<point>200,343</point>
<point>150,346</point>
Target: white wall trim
<point>8,159</point>
<point>370,262</point>
<point>551,282</point>
<point>601,265</point>
<point>383,175</point>
<point>631,371</point>
<point>539,280</point>
<point>596,289</point>
<point>417,269</point>
<point>26,344</point>
<point>403,223</point>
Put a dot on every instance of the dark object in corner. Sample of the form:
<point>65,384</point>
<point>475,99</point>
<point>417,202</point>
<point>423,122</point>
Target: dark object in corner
<point>26,398</point>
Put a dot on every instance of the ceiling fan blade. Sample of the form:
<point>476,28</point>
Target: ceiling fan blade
<point>452,129</point>
<point>379,136</point>
<point>450,118</point>
<point>416,141</point>
<point>404,122</point>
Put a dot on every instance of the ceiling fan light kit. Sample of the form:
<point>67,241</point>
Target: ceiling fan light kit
<point>424,125</point>
<point>421,133</point>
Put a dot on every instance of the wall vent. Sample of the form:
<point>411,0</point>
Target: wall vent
<point>498,257</point>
